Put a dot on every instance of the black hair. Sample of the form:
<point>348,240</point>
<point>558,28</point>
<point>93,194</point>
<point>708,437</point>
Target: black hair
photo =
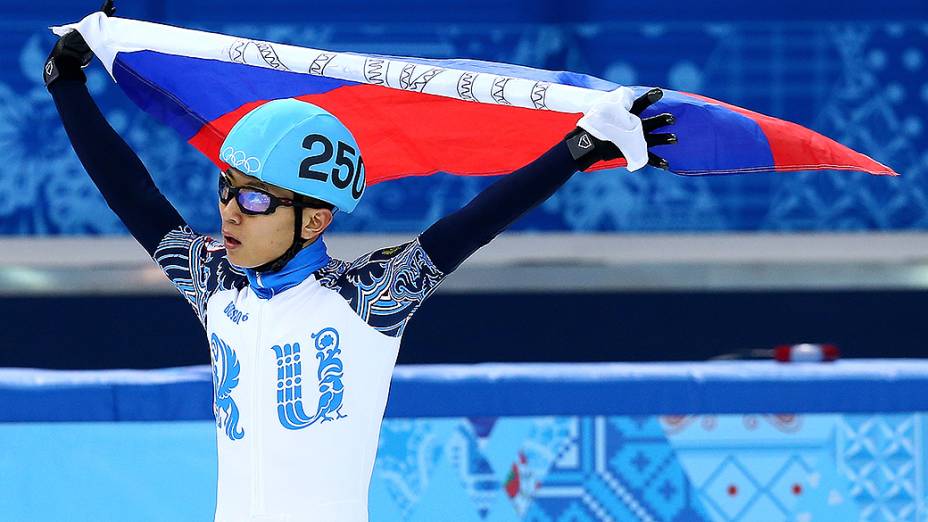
<point>312,202</point>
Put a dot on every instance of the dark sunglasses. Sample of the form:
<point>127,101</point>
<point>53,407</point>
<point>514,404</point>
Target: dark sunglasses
<point>252,201</point>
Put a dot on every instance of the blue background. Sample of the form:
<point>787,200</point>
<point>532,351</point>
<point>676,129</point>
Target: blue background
<point>856,74</point>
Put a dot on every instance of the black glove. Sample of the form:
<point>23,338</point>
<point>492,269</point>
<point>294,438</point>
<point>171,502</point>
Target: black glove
<point>588,150</point>
<point>71,54</point>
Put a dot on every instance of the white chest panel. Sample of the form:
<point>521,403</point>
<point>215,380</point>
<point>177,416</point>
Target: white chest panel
<point>300,386</point>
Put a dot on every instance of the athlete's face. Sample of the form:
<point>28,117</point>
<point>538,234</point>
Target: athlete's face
<point>253,240</point>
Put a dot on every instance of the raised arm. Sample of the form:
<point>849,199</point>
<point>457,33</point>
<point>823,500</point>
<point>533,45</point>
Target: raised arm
<point>196,265</point>
<point>112,165</point>
<point>455,237</point>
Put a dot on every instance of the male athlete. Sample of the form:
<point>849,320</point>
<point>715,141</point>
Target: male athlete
<point>303,345</point>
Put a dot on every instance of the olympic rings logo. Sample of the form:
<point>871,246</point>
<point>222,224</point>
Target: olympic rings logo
<point>238,159</point>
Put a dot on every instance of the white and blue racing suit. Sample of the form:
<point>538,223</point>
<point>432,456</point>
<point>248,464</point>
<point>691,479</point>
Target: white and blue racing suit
<point>301,358</point>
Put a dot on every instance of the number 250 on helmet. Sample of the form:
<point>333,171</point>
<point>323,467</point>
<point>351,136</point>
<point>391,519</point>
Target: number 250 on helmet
<point>300,147</point>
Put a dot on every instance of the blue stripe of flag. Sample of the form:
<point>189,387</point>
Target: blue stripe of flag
<point>185,93</point>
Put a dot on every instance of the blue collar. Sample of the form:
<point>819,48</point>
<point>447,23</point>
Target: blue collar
<point>304,263</point>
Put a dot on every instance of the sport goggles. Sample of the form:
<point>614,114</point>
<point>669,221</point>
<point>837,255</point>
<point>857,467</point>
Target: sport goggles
<point>251,200</point>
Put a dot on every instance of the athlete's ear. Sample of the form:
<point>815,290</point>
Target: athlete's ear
<point>315,221</point>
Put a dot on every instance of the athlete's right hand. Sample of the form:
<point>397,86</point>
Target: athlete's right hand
<point>71,54</point>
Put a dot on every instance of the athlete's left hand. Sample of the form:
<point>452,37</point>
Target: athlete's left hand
<point>612,129</point>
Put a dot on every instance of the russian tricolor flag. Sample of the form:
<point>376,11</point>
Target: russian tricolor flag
<point>414,117</point>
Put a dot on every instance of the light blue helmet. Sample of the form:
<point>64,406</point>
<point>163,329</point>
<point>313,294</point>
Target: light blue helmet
<point>301,147</point>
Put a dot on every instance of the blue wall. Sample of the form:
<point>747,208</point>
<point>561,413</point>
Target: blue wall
<point>505,443</point>
<point>856,74</point>
<point>673,469</point>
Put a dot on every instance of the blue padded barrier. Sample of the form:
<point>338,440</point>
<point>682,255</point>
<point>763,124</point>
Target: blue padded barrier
<point>743,441</point>
<point>502,389</point>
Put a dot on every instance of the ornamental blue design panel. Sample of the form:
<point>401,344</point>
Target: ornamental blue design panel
<point>290,410</point>
<point>861,83</point>
<point>384,287</point>
<point>720,468</point>
<point>864,460</point>
<point>731,468</point>
<point>226,369</point>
